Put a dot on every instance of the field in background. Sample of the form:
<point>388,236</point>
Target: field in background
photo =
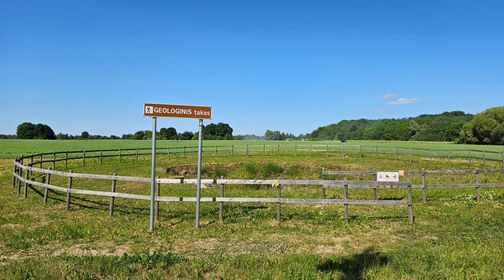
<point>453,237</point>
<point>9,149</point>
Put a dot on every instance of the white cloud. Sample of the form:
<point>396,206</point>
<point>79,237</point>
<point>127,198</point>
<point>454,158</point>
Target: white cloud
<point>402,101</point>
<point>388,96</point>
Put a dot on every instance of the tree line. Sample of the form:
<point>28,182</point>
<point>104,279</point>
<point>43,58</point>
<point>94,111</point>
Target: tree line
<point>27,130</point>
<point>484,128</point>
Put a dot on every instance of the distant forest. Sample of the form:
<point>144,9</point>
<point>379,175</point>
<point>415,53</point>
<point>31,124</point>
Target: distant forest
<point>486,127</point>
<point>438,127</point>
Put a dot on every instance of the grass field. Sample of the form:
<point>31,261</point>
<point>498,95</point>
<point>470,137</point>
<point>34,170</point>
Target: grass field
<point>453,237</point>
<point>10,149</point>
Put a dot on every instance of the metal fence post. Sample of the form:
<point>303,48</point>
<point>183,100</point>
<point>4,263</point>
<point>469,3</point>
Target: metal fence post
<point>46,190</point>
<point>69,195</point>
<point>112,199</point>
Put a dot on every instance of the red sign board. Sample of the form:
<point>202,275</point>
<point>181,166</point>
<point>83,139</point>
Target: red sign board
<point>177,111</point>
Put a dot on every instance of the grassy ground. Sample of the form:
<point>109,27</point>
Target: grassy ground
<point>453,237</point>
<point>15,148</point>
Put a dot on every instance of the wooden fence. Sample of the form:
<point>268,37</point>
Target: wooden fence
<point>27,182</point>
<point>473,156</point>
<point>425,185</point>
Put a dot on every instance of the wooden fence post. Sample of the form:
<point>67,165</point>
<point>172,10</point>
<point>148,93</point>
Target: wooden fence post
<point>66,159</point>
<point>112,199</point>
<point>26,183</point>
<point>84,158</point>
<point>158,194</point>
<point>324,194</point>
<point>70,181</point>
<point>54,161</point>
<point>19,180</point>
<point>247,150</point>
<point>46,190</point>
<point>375,193</point>
<point>279,196</point>
<point>396,156</point>
<point>470,156</point>
<point>264,148</point>
<point>14,178</point>
<point>410,155</point>
<point>136,153</point>
<point>502,160</point>
<point>101,157</point>
<point>410,205</point>
<point>430,154</point>
<point>41,160</point>
<point>221,204</point>
<point>477,183</point>
<point>484,159</point>
<point>345,205</point>
<point>119,154</point>
<point>424,186</point>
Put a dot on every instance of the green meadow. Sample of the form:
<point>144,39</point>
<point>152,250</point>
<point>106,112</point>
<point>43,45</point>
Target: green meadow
<point>454,237</point>
<point>10,149</point>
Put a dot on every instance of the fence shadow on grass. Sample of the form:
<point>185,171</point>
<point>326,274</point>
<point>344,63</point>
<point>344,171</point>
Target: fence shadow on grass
<point>356,265</point>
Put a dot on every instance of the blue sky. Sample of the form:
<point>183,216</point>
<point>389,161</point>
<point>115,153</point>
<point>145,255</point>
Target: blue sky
<point>282,65</point>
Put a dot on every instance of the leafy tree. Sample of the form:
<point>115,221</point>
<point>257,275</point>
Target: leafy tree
<point>486,127</point>
<point>139,135</point>
<point>84,135</point>
<point>187,135</point>
<point>29,130</point>
<point>439,127</point>
<point>169,133</point>
<point>220,131</point>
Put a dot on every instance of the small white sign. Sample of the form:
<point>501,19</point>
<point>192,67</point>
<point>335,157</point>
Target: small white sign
<point>387,176</point>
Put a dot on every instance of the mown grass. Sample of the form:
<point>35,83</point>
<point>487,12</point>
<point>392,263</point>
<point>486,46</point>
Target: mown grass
<point>11,148</point>
<point>453,237</point>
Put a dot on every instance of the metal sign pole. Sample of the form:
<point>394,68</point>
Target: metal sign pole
<point>198,187</point>
<point>153,174</point>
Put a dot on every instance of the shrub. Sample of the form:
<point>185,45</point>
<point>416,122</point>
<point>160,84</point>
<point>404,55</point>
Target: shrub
<point>271,170</point>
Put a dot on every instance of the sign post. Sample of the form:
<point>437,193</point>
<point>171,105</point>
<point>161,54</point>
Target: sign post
<point>198,186</point>
<point>175,111</point>
<point>153,174</point>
